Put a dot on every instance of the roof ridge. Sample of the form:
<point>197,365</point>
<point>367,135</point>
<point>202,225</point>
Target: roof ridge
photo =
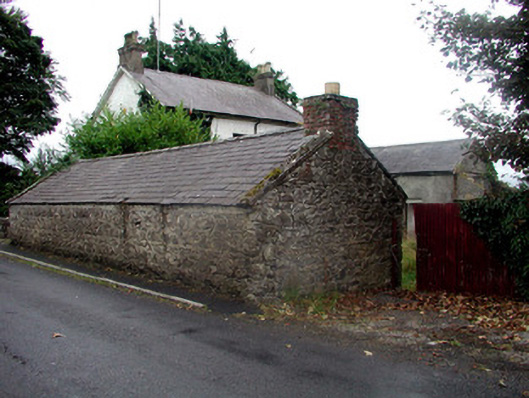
<point>198,144</point>
<point>194,77</point>
<point>420,143</point>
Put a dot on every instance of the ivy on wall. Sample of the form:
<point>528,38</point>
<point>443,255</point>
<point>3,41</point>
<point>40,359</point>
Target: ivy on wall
<point>503,222</point>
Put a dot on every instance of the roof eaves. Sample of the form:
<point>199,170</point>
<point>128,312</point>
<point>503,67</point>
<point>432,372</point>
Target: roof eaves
<point>38,182</point>
<point>252,118</point>
<point>136,203</point>
<point>424,173</point>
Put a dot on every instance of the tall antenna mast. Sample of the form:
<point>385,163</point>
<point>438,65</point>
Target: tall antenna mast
<point>158,35</point>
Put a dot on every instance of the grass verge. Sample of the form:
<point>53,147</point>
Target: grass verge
<point>409,270</point>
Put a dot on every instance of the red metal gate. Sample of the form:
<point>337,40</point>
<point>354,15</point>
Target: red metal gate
<point>451,257</point>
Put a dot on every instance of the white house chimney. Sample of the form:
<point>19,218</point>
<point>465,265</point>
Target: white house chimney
<point>130,53</point>
<point>264,80</point>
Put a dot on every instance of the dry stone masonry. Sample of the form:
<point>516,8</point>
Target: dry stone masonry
<point>305,210</point>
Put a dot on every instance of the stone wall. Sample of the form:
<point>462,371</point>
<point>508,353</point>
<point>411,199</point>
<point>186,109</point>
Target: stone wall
<point>331,225</point>
<point>199,245</point>
<point>324,227</point>
<point>4,224</point>
<point>84,231</point>
<point>471,180</point>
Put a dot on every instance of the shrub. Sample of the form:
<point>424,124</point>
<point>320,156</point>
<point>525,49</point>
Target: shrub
<point>503,222</point>
<point>155,127</point>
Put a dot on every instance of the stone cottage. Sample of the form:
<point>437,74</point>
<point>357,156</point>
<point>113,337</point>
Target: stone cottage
<point>308,209</point>
<point>232,109</point>
<point>435,172</point>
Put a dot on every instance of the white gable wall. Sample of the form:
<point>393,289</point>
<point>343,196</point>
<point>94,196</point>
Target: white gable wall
<point>125,95</point>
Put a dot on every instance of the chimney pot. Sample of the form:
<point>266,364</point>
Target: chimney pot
<point>264,68</point>
<point>332,88</point>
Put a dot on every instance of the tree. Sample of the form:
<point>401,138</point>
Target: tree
<point>495,50</point>
<point>9,185</point>
<point>29,86</point>
<point>21,175</point>
<point>28,92</point>
<point>155,127</point>
<point>190,54</point>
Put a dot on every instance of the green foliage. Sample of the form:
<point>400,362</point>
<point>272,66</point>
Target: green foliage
<point>29,86</point>
<point>493,49</point>
<point>48,161</point>
<point>155,127</point>
<point>190,54</point>
<point>16,178</point>
<point>320,304</point>
<point>9,185</point>
<point>503,222</point>
<point>152,46</point>
<point>409,269</point>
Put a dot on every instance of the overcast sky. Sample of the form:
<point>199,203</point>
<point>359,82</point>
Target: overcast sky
<point>374,49</point>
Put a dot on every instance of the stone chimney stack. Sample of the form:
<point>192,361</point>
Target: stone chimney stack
<point>332,112</point>
<point>264,80</point>
<point>130,53</point>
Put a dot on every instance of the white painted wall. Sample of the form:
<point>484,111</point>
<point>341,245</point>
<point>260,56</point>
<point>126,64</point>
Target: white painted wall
<point>428,189</point>
<point>441,189</point>
<point>125,95</point>
<point>225,128</point>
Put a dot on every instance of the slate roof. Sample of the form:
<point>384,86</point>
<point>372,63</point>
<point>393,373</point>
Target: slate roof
<point>423,158</point>
<point>215,96</point>
<point>215,173</point>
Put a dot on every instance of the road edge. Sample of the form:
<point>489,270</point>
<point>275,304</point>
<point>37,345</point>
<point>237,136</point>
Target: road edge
<point>138,289</point>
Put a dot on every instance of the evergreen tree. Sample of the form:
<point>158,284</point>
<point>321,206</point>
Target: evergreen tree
<point>152,47</point>
<point>190,54</point>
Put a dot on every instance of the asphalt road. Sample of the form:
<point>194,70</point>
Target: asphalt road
<point>116,344</point>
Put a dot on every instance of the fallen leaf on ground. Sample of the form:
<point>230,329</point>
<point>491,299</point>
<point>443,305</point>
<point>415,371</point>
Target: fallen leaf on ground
<point>437,342</point>
<point>55,335</point>
<point>483,368</point>
<point>368,353</point>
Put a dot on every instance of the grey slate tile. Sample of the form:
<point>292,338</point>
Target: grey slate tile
<point>217,173</point>
<point>215,96</point>
<point>422,158</point>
